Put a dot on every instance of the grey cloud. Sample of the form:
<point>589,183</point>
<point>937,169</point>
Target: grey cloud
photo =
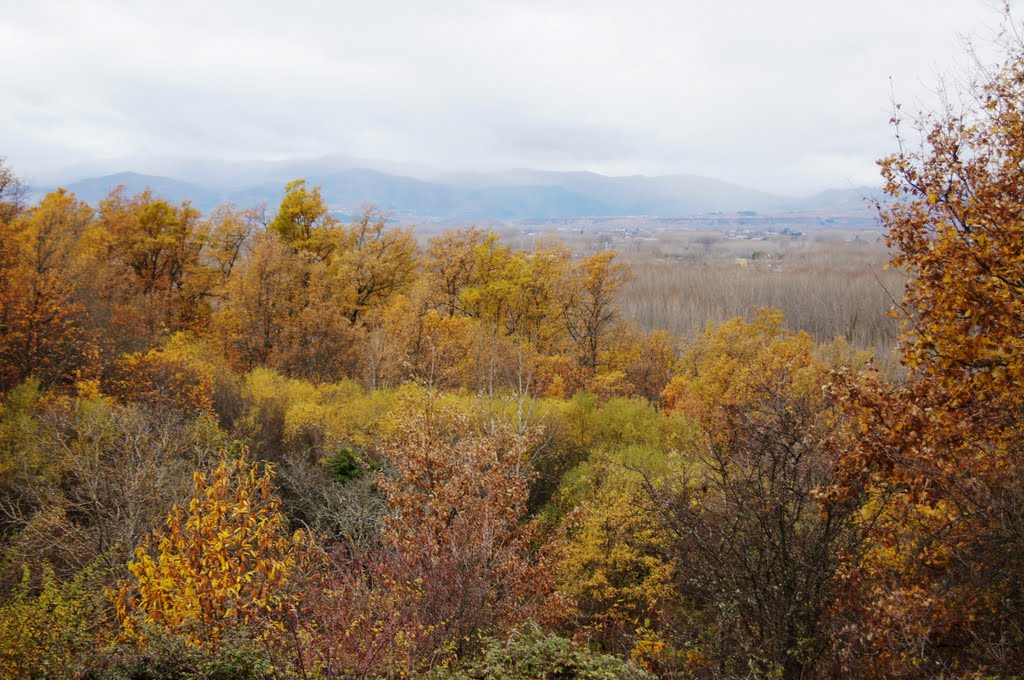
<point>785,96</point>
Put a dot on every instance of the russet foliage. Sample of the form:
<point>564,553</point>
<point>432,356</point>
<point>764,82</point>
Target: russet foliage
<point>940,590</point>
<point>456,511</point>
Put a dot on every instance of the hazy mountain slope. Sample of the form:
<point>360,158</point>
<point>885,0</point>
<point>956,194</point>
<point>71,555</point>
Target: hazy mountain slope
<point>855,198</point>
<point>514,194</point>
<point>637,194</point>
<point>94,189</point>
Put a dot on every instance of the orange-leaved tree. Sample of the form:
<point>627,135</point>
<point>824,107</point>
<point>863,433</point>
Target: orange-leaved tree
<point>147,273</point>
<point>944,587</point>
<point>590,306</point>
<point>176,376</point>
<point>43,326</point>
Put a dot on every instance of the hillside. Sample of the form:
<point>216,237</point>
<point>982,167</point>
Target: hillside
<point>511,195</point>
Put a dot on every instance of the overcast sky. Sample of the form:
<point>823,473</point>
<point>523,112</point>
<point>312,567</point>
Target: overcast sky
<point>786,96</point>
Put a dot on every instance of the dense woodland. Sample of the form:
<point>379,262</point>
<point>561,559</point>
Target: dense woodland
<point>269,443</point>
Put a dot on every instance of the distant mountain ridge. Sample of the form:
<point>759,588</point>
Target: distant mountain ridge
<point>94,189</point>
<point>511,195</point>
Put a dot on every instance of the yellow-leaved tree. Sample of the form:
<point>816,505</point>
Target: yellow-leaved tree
<point>225,561</point>
<point>610,552</point>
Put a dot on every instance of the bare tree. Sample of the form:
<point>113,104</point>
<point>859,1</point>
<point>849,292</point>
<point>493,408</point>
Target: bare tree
<point>13,193</point>
<point>756,547</point>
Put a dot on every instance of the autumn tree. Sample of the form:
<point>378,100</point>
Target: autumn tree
<point>454,559</point>
<point>644,361</point>
<point>535,283</point>
<point>320,342</point>
<point>147,277</point>
<point>174,377</point>
<point>393,349</point>
<point>303,220</point>
<point>43,328</point>
<point>374,263</point>
<point>457,502</point>
<point>611,553</point>
<point>589,305</point>
<point>944,587</point>
<point>513,296</point>
<point>261,297</point>
<point>229,233</point>
<point>225,560</point>
<point>450,265</point>
<point>284,310</point>
<point>299,301</point>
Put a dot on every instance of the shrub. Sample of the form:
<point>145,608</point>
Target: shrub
<point>531,655</point>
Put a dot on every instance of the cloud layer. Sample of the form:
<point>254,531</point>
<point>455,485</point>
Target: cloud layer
<point>785,96</point>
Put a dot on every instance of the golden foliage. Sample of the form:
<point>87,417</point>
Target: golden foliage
<point>224,560</point>
<point>43,330</point>
<point>609,557</point>
<point>146,269</point>
<point>175,377</point>
<point>727,364</point>
<point>940,456</point>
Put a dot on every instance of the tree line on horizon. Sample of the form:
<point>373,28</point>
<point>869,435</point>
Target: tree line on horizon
<point>308,295</point>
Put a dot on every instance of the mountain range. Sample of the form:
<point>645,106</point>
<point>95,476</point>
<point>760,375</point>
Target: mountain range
<point>498,196</point>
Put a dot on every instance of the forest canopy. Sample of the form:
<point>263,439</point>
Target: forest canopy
<point>277,443</point>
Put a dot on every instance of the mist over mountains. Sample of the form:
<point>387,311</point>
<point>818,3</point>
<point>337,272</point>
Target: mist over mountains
<point>432,195</point>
